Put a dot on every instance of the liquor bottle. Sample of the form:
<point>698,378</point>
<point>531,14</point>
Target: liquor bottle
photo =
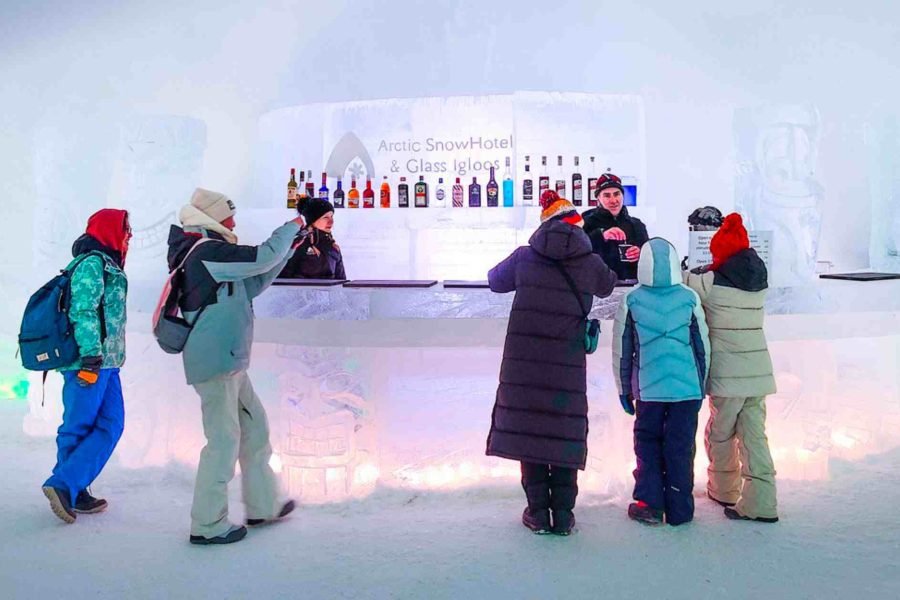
<point>475,194</point>
<point>368,194</point>
<point>301,187</point>
<point>421,193</point>
<point>310,186</point>
<point>577,192</point>
<point>385,193</point>
<point>457,194</point>
<point>338,196</point>
<point>440,194</point>
<point>592,185</point>
<point>292,191</point>
<point>507,186</point>
<point>323,191</point>
<point>527,185</point>
<point>493,191</point>
<point>403,194</point>
<point>353,195</point>
<point>560,178</point>
<point>544,178</point>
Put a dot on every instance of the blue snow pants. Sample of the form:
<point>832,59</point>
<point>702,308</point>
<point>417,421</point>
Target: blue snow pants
<point>664,444</point>
<point>93,420</point>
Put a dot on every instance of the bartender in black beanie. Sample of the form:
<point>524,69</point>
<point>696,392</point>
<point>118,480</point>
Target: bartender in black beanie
<point>317,255</point>
<point>615,235</point>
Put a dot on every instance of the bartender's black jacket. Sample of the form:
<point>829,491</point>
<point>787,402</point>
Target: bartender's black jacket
<point>307,264</point>
<point>597,220</point>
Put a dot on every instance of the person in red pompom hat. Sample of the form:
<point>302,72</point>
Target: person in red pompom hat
<point>730,239</point>
<point>555,278</point>
<point>733,292</point>
<point>555,207</point>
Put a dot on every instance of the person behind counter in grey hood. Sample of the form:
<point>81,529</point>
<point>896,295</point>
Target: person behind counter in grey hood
<point>317,255</point>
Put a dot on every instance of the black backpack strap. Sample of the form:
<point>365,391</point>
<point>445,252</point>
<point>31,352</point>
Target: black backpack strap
<point>101,310</point>
<point>572,287</point>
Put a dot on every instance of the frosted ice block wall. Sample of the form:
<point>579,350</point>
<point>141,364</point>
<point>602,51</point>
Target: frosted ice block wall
<point>883,137</point>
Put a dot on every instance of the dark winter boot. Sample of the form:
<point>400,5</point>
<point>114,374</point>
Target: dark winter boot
<point>719,502</point>
<point>235,534</point>
<point>286,509</point>
<point>642,513</point>
<point>60,503</point>
<point>537,521</point>
<point>563,491</point>
<point>536,483</point>
<point>563,522</point>
<point>87,504</point>
<point>736,516</point>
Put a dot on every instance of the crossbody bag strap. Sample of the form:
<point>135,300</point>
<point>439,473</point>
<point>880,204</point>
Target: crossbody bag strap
<point>572,287</point>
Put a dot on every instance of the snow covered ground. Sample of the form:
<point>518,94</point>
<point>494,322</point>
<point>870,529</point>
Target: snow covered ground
<point>838,538</point>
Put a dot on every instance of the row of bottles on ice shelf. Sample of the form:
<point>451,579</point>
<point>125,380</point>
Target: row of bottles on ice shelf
<point>447,194</point>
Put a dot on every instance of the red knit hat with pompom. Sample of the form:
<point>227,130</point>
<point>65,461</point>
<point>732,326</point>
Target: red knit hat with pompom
<point>730,239</point>
<point>555,207</point>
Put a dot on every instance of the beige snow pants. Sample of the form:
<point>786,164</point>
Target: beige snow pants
<point>738,449</point>
<point>236,429</point>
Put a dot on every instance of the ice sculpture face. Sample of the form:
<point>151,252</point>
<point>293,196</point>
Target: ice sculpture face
<point>776,188</point>
<point>328,449</point>
<point>786,156</point>
<point>157,168</point>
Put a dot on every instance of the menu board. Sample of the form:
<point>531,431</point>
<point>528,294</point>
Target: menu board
<point>699,254</point>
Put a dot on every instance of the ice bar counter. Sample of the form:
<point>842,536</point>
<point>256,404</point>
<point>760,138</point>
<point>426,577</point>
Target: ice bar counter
<point>392,383</point>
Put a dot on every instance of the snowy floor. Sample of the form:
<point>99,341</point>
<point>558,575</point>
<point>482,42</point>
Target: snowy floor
<point>837,539</point>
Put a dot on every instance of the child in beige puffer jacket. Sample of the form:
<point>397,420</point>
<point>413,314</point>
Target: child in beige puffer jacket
<point>732,290</point>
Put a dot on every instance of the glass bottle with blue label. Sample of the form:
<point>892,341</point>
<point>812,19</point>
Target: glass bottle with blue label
<point>507,185</point>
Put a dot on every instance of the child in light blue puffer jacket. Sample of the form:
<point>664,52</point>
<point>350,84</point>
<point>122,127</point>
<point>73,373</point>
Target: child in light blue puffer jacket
<point>660,362</point>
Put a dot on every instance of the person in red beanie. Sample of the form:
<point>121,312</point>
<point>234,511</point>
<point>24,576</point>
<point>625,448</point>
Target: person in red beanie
<point>733,290</point>
<point>94,413</point>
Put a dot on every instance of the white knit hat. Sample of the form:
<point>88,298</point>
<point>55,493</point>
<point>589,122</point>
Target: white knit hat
<point>216,206</point>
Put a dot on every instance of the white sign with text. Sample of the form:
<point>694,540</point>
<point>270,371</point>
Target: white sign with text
<point>699,254</point>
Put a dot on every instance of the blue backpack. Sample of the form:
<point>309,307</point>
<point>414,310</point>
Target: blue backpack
<point>47,338</point>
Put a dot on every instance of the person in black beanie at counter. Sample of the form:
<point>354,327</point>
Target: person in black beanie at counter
<point>317,256</point>
<point>615,235</point>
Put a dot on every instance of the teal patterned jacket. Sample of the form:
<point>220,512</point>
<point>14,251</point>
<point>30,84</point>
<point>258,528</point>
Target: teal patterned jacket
<point>88,290</point>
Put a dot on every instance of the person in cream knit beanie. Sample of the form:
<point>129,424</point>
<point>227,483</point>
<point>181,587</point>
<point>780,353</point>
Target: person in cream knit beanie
<point>210,210</point>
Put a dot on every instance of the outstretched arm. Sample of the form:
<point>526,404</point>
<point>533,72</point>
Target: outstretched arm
<point>502,278</point>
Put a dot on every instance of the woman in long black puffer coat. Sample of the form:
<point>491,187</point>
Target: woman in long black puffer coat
<point>540,414</point>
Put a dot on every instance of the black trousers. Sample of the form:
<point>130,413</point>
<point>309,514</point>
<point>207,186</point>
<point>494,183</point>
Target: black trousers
<point>548,486</point>
<point>664,434</point>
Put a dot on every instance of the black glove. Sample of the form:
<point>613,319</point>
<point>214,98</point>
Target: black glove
<point>627,401</point>
<point>89,371</point>
<point>700,270</point>
<point>684,266</point>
